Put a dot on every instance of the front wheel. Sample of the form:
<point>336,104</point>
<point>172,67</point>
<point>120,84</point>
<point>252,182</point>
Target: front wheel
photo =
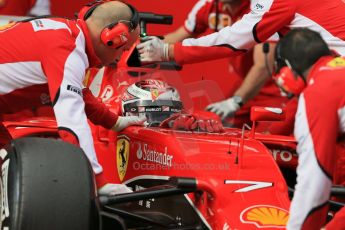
<point>46,184</point>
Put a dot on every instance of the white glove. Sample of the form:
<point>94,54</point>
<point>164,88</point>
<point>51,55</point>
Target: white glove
<point>124,122</point>
<point>113,189</point>
<point>224,109</point>
<point>153,49</point>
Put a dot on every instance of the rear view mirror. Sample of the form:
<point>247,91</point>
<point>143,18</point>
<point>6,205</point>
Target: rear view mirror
<point>258,113</point>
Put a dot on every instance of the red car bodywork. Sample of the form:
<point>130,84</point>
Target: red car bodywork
<point>241,184</point>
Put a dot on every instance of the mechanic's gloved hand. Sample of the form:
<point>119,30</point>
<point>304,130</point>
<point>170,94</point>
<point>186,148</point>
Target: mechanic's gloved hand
<point>224,109</point>
<point>124,122</point>
<point>193,122</point>
<point>113,189</point>
<point>153,49</point>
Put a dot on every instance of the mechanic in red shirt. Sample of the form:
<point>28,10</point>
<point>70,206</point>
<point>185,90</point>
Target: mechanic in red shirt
<point>306,66</point>
<point>257,87</point>
<point>49,56</point>
<point>266,19</point>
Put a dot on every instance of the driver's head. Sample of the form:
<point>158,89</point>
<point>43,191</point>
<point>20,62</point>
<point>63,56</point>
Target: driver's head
<point>154,99</point>
<point>114,20</point>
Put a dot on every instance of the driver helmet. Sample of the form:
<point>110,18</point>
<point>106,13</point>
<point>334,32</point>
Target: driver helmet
<point>154,99</point>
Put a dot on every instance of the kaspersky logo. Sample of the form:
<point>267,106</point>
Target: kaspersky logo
<point>265,216</point>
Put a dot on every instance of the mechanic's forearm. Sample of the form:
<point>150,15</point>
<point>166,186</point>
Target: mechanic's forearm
<point>171,52</point>
<point>97,112</point>
<point>195,54</point>
<point>253,82</point>
<point>177,36</point>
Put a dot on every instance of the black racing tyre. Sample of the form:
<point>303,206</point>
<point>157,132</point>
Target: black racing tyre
<point>46,184</point>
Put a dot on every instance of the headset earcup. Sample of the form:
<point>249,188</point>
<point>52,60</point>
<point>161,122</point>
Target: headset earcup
<point>115,36</point>
<point>289,82</point>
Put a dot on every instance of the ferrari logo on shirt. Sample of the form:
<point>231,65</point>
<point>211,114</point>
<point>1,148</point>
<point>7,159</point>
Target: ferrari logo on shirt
<point>336,62</point>
<point>122,155</point>
<point>224,20</point>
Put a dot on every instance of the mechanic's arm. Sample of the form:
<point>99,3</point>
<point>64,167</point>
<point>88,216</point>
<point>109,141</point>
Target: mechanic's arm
<point>258,73</point>
<point>253,82</point>
<point>193,25</point>
<point>265,19</point>
<point>178,35</point>
<point>65,72</point>
<point>316,134</point>
<point>99,114</point>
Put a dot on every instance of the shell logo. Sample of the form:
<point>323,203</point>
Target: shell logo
<point>265,216</point>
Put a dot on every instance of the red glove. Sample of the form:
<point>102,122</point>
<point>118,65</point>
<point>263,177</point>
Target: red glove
<point>193,122</point>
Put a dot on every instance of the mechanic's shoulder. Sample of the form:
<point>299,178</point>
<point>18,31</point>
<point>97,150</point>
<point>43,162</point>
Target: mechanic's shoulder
<point>53,27</point>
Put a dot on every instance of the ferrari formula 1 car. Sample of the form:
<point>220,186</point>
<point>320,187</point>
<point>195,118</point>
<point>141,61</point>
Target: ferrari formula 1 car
<point>182,180</point>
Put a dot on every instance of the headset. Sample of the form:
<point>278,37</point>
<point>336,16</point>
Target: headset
<point>116,34</point>
<point>287,78</point>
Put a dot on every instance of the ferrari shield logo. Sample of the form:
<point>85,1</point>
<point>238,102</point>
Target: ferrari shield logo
<point>122,154</point>
<point>155,93</point>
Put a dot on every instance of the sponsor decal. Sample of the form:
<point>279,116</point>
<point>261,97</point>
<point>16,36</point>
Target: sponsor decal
<point>150,154</point>
<point>284,155</point>
<point>252,185</point>
<point>165,108</point>
<point>107,93</point>
<point>336,62</point>
<point>265,216</point>
<point>74,89</point>
<point>258,6</point>
<point>175,110</point>
<point>122,155</point>
<point>144,203</point>
<point>153,109</point>
<point>224,20</point>
<point>5,211</point>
